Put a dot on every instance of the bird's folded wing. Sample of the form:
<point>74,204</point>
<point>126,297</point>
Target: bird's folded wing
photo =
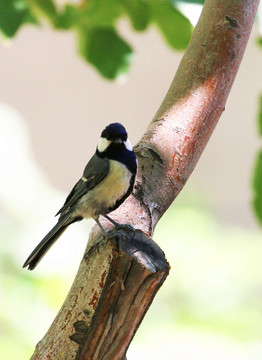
<point>95,171</point>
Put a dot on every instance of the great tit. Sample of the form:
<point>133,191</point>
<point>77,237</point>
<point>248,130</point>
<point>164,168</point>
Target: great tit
<point>107,181</point>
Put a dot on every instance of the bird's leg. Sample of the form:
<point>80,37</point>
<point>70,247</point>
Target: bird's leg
<point>111,220</point>
<point>101,227</point>
<point>117,225</point>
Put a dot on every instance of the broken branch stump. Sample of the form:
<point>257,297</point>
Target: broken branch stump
<point>124,274</point>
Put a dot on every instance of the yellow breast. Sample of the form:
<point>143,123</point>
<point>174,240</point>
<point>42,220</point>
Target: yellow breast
<point>106,193</point>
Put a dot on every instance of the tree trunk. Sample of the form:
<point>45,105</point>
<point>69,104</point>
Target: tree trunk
<point>118,279</point>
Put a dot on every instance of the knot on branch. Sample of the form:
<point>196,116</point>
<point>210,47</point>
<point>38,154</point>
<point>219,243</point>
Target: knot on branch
<point>81,328</point>
<point>232,23</point>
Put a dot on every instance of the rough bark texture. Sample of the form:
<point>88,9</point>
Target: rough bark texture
<point>135,274</point>
<point>105,305</point>
<point>116,283</point>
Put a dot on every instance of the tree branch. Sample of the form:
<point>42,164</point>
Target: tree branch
<point>113,287</point>
<point>182,126</point>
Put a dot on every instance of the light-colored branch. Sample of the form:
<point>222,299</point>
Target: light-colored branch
<point>167,154</point>
<point>182,126</point>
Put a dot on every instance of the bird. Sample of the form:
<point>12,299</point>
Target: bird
<point>107,181</point>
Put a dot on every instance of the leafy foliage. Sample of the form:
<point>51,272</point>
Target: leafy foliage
<point>44,9</point>
<point>257,181</point>
<point>95,23</point>
<point>175,27</point>
<point>200,2</point>
<point>14,13</point>
<point>260,116</point>
<point>257,184</point>
<point>100,12</point>
<point>103,48</point>
<point>139,13</point>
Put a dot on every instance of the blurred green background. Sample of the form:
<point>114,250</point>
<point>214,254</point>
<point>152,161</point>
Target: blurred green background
<point>53,107</point>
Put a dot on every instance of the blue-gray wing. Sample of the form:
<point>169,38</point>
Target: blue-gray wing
<point>95,171</point>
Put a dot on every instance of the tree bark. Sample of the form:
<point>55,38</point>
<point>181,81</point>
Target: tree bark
<point>116,283</point>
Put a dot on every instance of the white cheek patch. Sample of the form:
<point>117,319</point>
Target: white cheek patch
<point>103,144</point>
<point>128,145</point>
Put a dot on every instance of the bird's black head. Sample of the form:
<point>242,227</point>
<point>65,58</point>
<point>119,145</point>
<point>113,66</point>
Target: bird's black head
<point>114,132</point>
<point>114,145</point>
<point>113,138</point>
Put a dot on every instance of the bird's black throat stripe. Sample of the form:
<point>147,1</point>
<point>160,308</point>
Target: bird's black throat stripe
<point>124,156</point>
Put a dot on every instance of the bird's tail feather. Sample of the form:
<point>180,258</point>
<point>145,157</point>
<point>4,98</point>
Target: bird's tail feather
<point>37,254</point>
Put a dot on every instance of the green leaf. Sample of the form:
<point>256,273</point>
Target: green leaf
<point>257,187</point>
<point>101,13</point>
<point>200,2</point>
<point>46,9</point>
<point>106,50</point>
<point>260,116</point>
<point>13,13</point>
<point>92,13</point>
<point>175,27</point>
<point>69,17</point>
<point>139,13</point>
